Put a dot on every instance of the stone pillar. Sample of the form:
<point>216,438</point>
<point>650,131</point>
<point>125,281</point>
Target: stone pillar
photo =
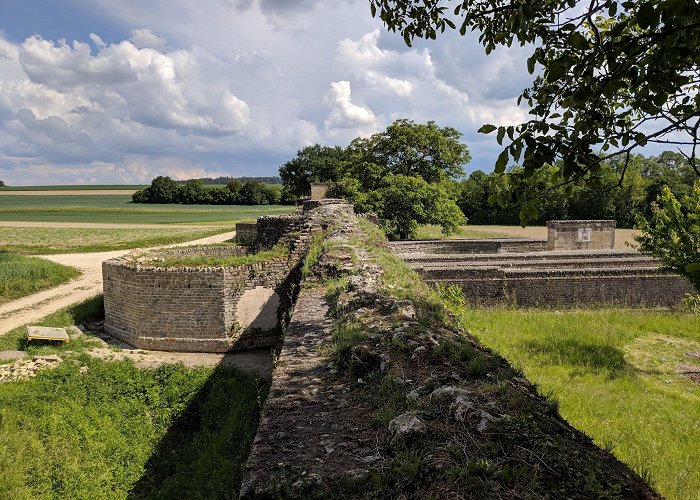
<point>319,190</point>
<point>580,234</point>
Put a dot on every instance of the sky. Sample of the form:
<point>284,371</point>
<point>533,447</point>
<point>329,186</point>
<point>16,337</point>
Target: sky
<point>118,92</point>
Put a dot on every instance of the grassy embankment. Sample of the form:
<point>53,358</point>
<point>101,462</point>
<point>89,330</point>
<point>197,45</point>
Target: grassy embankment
<point>21,276</point>
<point>118,431</point>
<point>617,376</point>
<point>528,452</point>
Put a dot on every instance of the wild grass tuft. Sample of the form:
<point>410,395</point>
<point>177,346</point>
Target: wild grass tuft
<point>21,276</point>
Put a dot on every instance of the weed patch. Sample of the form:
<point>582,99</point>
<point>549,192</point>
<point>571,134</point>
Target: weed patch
<point>21,276</point>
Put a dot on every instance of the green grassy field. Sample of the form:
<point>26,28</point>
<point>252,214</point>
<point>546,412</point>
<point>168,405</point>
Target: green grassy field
<point>44,241</point>
<point>20,275</point>
<point>615,374</point>
<point>122,432</point>
<point>119,209</point>
<point>75,187</point>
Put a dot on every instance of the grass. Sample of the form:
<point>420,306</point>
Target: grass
<point>122,432</point>
<point>34,240</point>
<point>432,232</point>
<point>21,276</point>
<point>615,375</point>
<point>119,209</point>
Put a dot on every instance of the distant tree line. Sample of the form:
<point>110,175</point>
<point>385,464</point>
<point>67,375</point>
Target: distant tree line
<point>195,192</point>
<point>606,197</point>
<point>225,180</point>
<point>620,190</point>
<point>2,184</point>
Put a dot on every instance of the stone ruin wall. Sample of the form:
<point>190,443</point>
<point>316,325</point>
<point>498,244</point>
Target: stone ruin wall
<point>211,309</point>
<point>632,287</point>
<point>580,234</point>
<point>188,309</point>
<point>470,246</point>
<point>246,233</point>
<point>579,278</point>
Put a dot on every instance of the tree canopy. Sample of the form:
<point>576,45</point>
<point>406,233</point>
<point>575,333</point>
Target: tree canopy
<point>311,164</point>
<point>404,174</point>
<point>610,76</point>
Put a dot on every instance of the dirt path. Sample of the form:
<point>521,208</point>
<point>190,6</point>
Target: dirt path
<point>34,307</point>
<point>106,225</point>
<point>69,192</point>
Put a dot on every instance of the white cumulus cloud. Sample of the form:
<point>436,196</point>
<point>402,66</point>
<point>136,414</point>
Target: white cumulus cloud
<point>345,117</point>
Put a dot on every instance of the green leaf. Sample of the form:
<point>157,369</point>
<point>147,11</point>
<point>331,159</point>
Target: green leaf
<point>578,41</point>
<point>693,268</point>
<point>646,15</point>
<point>487,129</point>
<point>501,134</point>
<point>531,64</point>
<point>502,162</point>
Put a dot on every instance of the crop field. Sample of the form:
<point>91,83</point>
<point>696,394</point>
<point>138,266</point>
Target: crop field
<point>75,187</point>
<point>20,276</point>
<point>119,209</point>
<point>630,379</point>
<point>52,240</point>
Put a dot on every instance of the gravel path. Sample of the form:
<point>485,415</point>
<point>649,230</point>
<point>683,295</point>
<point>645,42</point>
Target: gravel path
<point>34,307</point>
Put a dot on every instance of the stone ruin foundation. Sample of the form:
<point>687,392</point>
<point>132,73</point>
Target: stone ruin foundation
<point>210,308</point>
<point>580,234</point>
<point>576,266</point>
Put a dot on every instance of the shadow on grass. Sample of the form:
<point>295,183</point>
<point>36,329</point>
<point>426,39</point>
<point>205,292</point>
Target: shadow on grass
<point>204,451</point>
<point>594,357</point>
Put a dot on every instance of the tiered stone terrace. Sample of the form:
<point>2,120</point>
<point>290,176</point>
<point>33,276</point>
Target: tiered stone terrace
<point>523,273</point>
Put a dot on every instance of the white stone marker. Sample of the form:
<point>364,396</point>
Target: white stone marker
<point>47,333</point>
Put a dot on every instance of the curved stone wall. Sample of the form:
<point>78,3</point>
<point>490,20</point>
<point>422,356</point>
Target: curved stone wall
<point>201,309</point>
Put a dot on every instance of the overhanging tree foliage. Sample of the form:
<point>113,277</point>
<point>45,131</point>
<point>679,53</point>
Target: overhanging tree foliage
<point>611,76</point>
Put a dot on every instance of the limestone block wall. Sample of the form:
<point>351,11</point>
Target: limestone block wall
<point>580,234</point>
<point>195,308</point>
<point>586,287</point>
<point>573,279</point>
<point>270,229</point>
<point>319,190</point>
<point>470,246</point>
<point>213,309</point>
<point>246,232</point>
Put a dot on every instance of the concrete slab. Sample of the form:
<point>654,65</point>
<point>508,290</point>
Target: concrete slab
<point>47,333</point>
<point>11,355</point>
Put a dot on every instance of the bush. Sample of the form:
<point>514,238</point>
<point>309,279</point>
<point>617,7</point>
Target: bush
<point>672,233</point>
